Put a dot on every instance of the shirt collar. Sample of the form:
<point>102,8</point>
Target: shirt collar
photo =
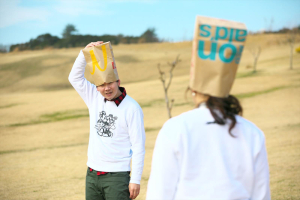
<point>203,105</point>
<point>120,98</point>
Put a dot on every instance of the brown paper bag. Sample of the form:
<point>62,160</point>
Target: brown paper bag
<point>217,49</point>
<point>101,63</point>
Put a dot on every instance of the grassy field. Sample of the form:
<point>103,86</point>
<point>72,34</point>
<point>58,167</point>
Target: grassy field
<point>44,124</point>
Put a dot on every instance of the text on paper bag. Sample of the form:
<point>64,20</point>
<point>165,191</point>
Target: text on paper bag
<point>225,34</point>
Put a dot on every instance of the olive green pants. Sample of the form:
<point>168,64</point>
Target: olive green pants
<point>111,186</point>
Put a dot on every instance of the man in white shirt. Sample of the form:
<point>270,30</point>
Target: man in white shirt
<point>116,130</point>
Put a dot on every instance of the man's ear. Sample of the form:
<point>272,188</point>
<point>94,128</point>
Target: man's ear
<point>119,82</point>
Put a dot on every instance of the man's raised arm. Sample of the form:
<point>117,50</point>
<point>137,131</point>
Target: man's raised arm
<point>84,88</point>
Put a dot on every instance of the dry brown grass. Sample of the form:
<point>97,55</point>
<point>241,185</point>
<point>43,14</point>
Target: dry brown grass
<point>44,124</point>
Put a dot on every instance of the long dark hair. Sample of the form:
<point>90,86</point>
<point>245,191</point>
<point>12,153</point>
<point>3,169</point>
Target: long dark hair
<point>228,107</point>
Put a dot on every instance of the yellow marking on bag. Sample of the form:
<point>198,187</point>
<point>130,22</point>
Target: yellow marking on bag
<point>104,56</point>
<point>95,62</point>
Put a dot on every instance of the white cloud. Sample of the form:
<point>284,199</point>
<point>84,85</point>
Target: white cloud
<point>77,8</point>
<point>11,13</point>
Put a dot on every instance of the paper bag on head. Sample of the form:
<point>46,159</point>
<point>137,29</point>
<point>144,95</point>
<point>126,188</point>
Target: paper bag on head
<point>101,63</point>
<point>217,49</point>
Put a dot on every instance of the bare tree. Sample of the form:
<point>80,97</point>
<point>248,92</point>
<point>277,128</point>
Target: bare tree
<point>271,24</point>
<point>255,51</point>
<point>167,85</point>
<point>268,25</point>
<point>291,39</point>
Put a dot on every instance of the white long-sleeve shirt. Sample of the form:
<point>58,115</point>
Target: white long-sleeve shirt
<point>117,133</point>
<point>196,160</point>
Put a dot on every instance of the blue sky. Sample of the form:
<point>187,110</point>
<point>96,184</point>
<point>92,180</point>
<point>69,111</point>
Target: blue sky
<point>21,20</point>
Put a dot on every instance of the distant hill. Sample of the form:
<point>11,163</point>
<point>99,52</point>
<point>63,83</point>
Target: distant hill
<point>48,69</point>
<point>48,41</point>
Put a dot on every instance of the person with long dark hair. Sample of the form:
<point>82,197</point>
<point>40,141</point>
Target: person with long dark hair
<point>211,152</point>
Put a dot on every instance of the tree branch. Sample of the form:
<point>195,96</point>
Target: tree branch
<point>173,65</point>
<point>163,80</point>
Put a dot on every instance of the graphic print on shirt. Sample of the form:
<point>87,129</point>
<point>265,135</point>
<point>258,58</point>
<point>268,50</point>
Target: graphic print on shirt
<point>105,124</point>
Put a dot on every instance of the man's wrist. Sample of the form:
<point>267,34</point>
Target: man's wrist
<point>135,181</point>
